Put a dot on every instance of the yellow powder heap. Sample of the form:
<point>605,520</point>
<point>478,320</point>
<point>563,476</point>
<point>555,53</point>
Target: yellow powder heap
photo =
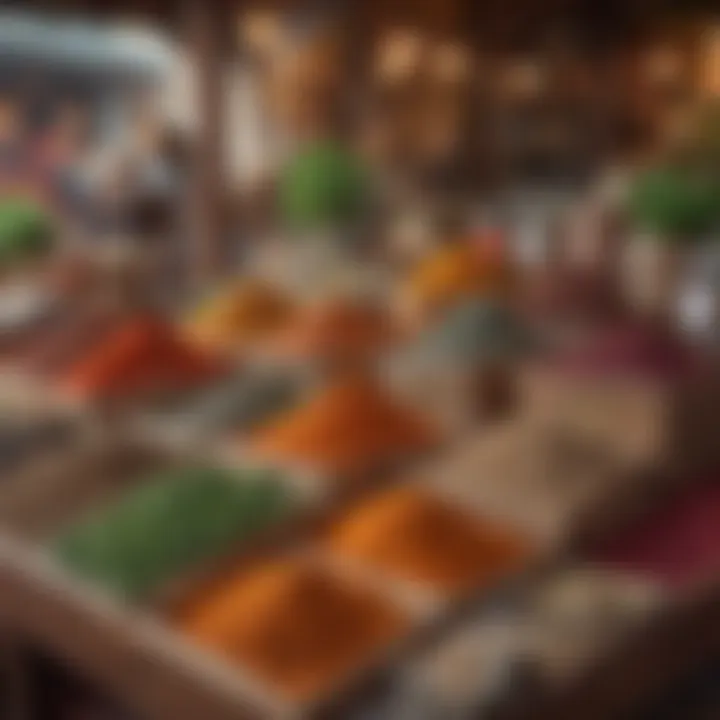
<point>242,313</point>
<point>455,272</point>
<point>293,626</point>
<point>351,427</point>
<point>411,534</point>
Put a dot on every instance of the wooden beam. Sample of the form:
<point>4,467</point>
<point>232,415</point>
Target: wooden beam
<point>205,29</point>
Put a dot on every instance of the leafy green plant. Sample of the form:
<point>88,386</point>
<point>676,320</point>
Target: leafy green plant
<point>323,187</point>
<point>677,204</point>
<point>25,231</point>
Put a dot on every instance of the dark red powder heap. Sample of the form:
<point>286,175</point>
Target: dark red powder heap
<point>141,355</point>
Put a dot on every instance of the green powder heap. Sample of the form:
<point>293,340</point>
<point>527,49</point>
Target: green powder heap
<point>170,524</point>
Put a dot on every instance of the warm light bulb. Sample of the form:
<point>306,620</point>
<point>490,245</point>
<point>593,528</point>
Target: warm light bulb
<point>451,63</point>
<point>399,55</point>
<point>663,66</point>
<point>711,63</point>
<point>524,79</point>
<point>260,31</point>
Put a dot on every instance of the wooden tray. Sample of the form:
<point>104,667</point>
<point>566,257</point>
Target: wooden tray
<point>140,657</point>
<point>108,637</point>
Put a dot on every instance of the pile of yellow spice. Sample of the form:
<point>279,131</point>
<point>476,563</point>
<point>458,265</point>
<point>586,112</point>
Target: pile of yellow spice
<point>243,313</point>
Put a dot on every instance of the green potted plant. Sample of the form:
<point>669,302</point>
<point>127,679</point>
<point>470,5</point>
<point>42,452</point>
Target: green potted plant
<point>673,207</point>
<point>26,233</point>
<point>323,189</point>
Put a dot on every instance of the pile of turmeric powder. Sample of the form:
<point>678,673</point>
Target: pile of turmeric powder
<point>336,330</point>
<point>411,534</point>
<point>293,625</point>
<point>242,313</point>
<point>351,427</point>
<point>455,272</point>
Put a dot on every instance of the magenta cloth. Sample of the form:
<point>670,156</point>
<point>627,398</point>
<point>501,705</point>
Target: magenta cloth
<point>634,351</point>
<point>679,544</point>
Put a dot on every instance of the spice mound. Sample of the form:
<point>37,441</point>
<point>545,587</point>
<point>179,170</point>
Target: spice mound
<point>350,427</point>
<point>242,313</point>
<point>455,272</point>
<point>338,330</point>
<point>169,524</point>
<point>294,626</point>
<point>411,534</point>
<point>142,355</point>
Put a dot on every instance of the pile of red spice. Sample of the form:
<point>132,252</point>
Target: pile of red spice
<point>140,355</point>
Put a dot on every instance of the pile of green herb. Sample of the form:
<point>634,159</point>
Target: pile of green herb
<point>169,524</point>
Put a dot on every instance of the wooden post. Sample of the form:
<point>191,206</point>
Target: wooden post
<point>206,28</point>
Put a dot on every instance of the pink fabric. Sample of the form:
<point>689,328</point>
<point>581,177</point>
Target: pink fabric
<point>632,350</point>
<point>678,544</point>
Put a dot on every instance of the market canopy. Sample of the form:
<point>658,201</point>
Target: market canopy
<point>87,48</point>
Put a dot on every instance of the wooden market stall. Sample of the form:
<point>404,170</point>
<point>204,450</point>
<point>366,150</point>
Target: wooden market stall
<point>483,62</point>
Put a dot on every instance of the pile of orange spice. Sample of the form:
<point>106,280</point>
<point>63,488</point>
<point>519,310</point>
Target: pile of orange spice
<point>336,330</point>
<point>457,271</point>
<point>409,533</point>
<point>293,625</point>
<point>242,313</point>
<point>141,355</point>
<point>350,427</point>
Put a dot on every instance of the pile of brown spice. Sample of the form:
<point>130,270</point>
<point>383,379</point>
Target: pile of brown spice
<point>336,330</point>
<point>292,625</point>
<point>350,427</point>
<point>410,533</point>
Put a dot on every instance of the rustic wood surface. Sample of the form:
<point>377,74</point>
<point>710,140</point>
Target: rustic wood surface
<point>115,651</point>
